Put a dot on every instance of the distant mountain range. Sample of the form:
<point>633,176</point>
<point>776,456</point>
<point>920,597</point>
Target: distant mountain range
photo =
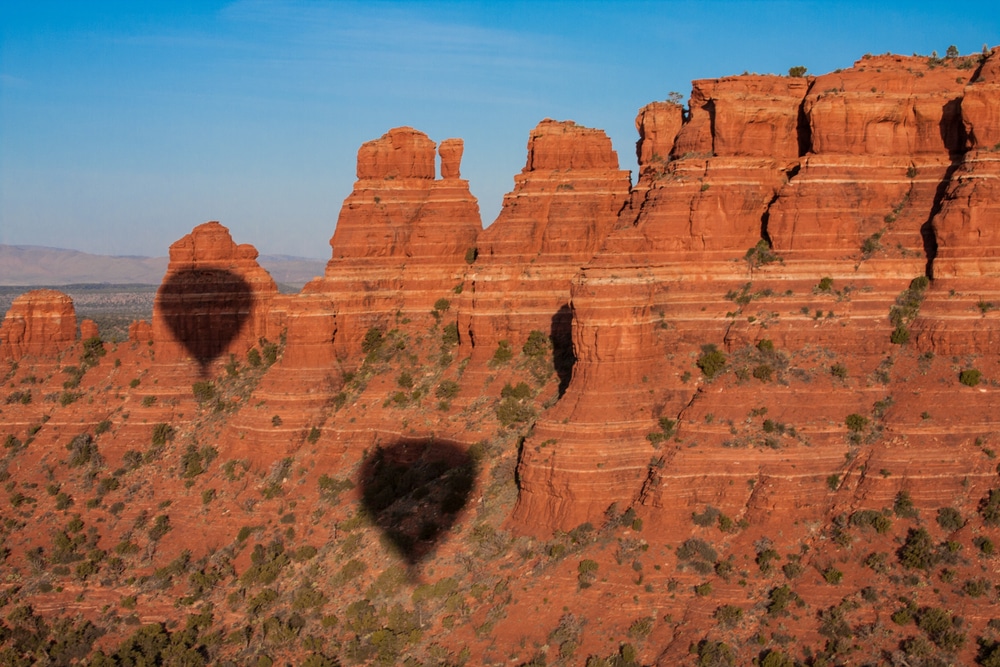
<point>38,265</point>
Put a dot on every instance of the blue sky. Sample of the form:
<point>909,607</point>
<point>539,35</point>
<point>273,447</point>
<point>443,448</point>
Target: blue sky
<point>125,124</point>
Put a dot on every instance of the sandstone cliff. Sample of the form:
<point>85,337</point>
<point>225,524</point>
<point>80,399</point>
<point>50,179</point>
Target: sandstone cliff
<point>748,400</point>
<point>40,323</point>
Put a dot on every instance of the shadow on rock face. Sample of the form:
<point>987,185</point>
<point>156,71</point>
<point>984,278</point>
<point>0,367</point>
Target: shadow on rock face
<point>205,309</point>
<point>563,357</point>
<point>414,491</point>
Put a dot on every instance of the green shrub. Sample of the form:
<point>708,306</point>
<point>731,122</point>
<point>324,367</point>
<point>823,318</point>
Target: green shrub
<point>330,488</point>
<point>970,377</point>
<point>449,335</point>
<point>93,350</point>
<point>586,572</point>
<point>162,433</point>
<point>856,423</point>
<point>503,353</point>
<point>706,518</point>
<point>161,526</point>
<point>373,340</point>
<point>728,615</point>
<point>903,506</point>
<point>313,436</point>
<point>872,519</point>
<point>779,599</point>
<point>522,390</point>
<point>448,389</point>
<point>641,627</point>
<point>253,358</point>
<point>950,519</point>
<point>713,654</point>
<point>83,450</point>
<point>940,628</point>
<point>797,71</point>
<point>510,410</point>
<point>204,391</point>
<point>537,345</point>
<point>918,551</point>
<point>712,361</point>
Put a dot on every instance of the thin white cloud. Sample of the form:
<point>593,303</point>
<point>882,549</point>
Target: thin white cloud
<point>11,81</point>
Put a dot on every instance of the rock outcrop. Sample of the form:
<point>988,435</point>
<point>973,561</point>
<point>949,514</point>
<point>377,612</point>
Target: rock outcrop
<point>564,204</point>
<point>40,323</point>
<point>402,237</point>
<point>764,372</point>
<point>772,184</point>
<point>214,300</point>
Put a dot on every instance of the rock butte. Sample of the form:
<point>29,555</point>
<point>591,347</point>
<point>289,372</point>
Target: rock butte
<point>834,239</point>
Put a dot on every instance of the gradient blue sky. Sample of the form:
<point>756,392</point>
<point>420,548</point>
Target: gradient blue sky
<point>125,124</point>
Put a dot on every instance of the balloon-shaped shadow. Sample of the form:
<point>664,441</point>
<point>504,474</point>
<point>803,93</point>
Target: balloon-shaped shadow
<point>205,309</point>
<point>414,490</point>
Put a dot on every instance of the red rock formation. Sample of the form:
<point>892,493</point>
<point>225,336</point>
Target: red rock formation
<point>882,136</point>
<point>140,331</point>
<point>40,323</point>
<point>681,270</point>
<point>958,318</point>
<point>214,300</point>
<point>703,210</point>
<point>564,204</point>
<point>657,124</point>
<point>451,158</point>
<point>401,238</point>
<point>968,242</point>
<point>88,329</point>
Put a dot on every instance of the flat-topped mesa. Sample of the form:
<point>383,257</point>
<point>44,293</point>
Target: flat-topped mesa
<point>564,204</point>
<point>40,323</point>
<point>883,136</point>
<point>214,300</point>
<point>402,237</point>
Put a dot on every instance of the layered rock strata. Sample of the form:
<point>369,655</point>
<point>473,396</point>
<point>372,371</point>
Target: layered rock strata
<point>214,300</point>
<point>564,203</point>
<point>402,237</point>
<point>773,185</point>
<point>40,323</point>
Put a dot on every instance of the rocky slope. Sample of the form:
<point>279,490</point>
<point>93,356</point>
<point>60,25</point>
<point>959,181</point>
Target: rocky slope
<point>742,409</point>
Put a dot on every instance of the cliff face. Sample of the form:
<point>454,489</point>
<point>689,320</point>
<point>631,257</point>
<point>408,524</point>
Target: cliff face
<point>775,184</point>
<point>564,203</point>
<point>40,323</point>
<point>402,236</point>
<point>756,373</point>
<point>214,300</point>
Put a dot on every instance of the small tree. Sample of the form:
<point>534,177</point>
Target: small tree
<point>797,71</point>
<point>952,52</point>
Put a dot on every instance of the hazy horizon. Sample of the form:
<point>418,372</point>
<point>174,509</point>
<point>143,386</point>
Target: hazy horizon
<point>123,126</point>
